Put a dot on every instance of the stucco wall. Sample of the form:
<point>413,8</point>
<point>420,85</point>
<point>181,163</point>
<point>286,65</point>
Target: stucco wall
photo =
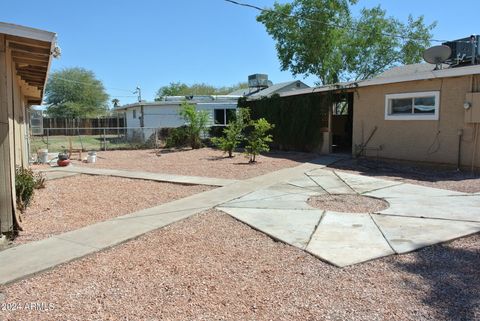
<point>417,140</point>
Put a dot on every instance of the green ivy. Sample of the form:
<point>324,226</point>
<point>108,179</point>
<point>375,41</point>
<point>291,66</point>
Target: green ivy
<point>299,120</point>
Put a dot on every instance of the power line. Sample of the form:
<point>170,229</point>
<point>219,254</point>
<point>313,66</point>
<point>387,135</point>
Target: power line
<point>90,84</point>
<point>251,6</point>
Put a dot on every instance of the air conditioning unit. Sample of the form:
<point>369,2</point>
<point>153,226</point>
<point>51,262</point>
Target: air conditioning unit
<point>464,51</point>
<point>258,81</point>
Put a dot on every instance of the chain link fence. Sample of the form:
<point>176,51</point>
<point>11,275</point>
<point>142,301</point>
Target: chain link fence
<point>97,139</point>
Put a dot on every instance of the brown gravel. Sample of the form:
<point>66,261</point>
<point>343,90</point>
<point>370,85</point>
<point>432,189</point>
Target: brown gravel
<point>348,203</point>
<point>201,162</point>
<point>211,267</point>
<point>70,203</point>
<point>414,173</point>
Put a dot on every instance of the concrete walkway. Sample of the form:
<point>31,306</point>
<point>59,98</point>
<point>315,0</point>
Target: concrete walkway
<point>59,172</point>
<point>27,259</point>
<point>418,216</point>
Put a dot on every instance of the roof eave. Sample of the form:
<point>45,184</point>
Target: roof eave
<point>27,32</point>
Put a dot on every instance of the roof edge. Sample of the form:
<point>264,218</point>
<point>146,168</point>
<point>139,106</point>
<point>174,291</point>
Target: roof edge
<point>434,74</point>
<point>27,32</point>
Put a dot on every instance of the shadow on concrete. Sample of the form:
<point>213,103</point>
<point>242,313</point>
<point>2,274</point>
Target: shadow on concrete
<point>404,171</point>
<point>293,156</point>
<point>453,277</point>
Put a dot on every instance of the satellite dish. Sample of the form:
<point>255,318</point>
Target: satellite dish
<point>437,55</point>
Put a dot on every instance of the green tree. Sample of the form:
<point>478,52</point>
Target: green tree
<point>233,133</point>
<point>258,138</point>
<point>196,123</point>
<point>182,89</point>
<point>75,92</point>
<point>320,37</point>
<point>173,89</point>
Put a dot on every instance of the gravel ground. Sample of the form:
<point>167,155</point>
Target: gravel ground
<point>348,203</point>
<point>438,176</point>
<point>200,162</point>
<point>212,267</point>
<point>70,203</point>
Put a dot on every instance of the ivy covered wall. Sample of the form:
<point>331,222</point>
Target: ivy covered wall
<point>300,121</point>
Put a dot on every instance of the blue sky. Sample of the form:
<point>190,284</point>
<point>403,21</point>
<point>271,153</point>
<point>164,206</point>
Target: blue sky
<point>152,43</point>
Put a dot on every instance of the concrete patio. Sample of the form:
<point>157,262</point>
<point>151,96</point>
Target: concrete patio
<point>417,216</point>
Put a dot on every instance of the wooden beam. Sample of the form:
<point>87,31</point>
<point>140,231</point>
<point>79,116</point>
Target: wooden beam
<point>36,82</point>
<point>29,42</point>
<point>31,77</point>
<point>32,68</point>
<point>28,55</point>
<point>34,102</point>
<point>29,49</point>
<point>30,80</point>
<point>32,72</point>
<point>30,62</point>
<point>27,89</point>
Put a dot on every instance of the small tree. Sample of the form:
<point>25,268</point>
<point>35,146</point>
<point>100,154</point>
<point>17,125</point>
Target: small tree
<point>196,123</point>
<point>258,138</point>
<point>233,133</point>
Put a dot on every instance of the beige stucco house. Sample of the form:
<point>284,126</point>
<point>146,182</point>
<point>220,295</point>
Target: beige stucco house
<point>411,112</point>
<point>25,57</point>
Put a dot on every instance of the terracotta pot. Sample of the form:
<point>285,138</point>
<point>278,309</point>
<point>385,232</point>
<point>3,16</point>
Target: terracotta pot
<point>63,162</point>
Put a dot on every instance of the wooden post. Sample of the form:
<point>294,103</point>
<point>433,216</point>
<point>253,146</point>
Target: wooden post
<point>104,140</point>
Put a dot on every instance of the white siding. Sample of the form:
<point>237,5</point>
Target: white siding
<point>133,122</point>
<point>167,115</point>
<point>162,116</point>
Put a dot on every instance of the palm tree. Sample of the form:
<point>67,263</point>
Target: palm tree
<point>115,102</point>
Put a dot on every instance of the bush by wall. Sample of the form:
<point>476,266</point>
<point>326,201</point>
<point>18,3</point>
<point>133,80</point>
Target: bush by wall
<point>177,137</point>
<point>26,181</point>
<point>299,120</point>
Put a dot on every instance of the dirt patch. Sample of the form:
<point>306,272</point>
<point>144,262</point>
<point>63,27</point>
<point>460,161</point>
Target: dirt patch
<point>407,172</point>
<point>200,162</point>
<point>70,203</point>
<point>348,203</point>
<point>211,267</point>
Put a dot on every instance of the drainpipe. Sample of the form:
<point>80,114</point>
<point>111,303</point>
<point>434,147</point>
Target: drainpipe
<point>460,134</point>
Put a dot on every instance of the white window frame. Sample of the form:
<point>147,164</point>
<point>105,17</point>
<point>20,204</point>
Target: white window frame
<point>225,110</point>
<point>134,114</point>
<point>224,117</point>
<point>434,116</point>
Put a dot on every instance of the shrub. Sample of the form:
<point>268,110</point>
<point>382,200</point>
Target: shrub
<point>196,123</point>
<point>257,139</point>
<point>26,181</point>
<point>177,137</point>
<point>233,133</point>
<point>216,131</point>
